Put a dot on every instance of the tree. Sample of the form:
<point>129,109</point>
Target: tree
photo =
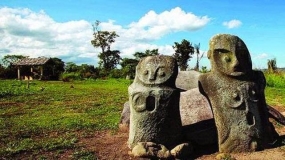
<point>73,71</point>
<point>71,67</point>
<point>86,71</point>
<point>103,39</point>
<point>271,64</point>
<point>8,60</point>
<point>139,55</point>
<point>109,59</point>
<point>10,71</point>
<point>197,51</point>
<point>2,71</point>
<point>129,66</point>
<point>54,68</point>
<point>183,52</point>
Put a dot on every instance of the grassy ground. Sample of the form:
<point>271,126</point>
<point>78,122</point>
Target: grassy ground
<point>275,97</point>
<point>275,90</point>
<point>51,116</point>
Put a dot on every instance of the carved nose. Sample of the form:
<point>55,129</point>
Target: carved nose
<point>151,77</point>
<point>237,66</point>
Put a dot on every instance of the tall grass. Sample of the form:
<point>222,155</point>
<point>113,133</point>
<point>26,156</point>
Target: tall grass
<point>275,88</point>
<point>275,79</point>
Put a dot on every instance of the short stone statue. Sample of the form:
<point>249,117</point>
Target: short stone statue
<point>154,109</point>
<point>236,95</point>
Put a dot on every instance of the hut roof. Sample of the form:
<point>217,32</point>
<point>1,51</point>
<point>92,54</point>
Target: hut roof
<point>31,61</point>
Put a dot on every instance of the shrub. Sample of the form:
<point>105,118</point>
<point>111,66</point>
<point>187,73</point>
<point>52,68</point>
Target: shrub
<point>67,77</point>
<point>116,73</point>
<point>275,79</point>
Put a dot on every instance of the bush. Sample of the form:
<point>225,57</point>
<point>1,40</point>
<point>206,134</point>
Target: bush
<point>116,73</point>
<point>275,79</point>
<point>67,77</point>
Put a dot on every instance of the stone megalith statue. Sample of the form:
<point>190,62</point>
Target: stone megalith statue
<point>154,108</point>
<point>236,95</point>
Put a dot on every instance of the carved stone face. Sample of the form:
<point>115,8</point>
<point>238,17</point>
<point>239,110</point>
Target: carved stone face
<point>156,69</point>
<point>229,55</point>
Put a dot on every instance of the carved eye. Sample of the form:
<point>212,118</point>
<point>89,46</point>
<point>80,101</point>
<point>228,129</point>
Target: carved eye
<point>253,95</point>
<point>221,51</point>
<point>227,59</point>
<point>238,100</point>
<point>145,72</point>
<point>236,96</point>
<point>161,74</point>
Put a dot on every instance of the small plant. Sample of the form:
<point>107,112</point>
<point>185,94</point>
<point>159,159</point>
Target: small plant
<point>225,156</point>
<point>84,155</point>
<point>204,69</point>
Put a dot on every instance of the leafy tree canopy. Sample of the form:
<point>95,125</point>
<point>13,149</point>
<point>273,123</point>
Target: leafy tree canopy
<point>109,59</point>
<point>103,39</point>
<point>183,52</point>
<point>139,55</point>
<point>9,59</point>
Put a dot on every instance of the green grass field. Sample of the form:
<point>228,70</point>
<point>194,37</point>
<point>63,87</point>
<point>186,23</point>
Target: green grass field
<point>50,116</point>
<point>275,90</point>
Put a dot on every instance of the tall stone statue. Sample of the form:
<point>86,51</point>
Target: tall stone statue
<point>155,123</point>
<point>236,95</point>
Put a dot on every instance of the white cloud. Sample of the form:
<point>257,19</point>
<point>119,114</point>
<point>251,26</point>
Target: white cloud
<point>153,26</point>
<point>232,24</point>
<point>36,34</point>
<point>261,56</point>
<point>138,36</point>
<point>259,61</point>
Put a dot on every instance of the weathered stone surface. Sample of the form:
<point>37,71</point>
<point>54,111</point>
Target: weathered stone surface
<point>154,103</point>
<point>236,94</point>
<point>153,150</point>
<point>196,117</point>
<point>187,80</point>
<point>276,115</point>
<point>182,151</point>
<point>150,150</point>
<point>194,107</point>
<point>125,117</point>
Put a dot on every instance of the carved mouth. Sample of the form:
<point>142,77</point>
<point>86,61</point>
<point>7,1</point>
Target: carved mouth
<point>238,70</point>
<point>150,103</point>
<point>250,118</point>
<point>237,73</point>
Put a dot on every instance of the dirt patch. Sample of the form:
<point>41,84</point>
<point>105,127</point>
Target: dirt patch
<point>108,145</point>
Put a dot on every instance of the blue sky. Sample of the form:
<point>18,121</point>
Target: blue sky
<point>63,29</point>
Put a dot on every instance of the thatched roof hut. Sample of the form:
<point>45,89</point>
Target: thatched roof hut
<point>32,62</point>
